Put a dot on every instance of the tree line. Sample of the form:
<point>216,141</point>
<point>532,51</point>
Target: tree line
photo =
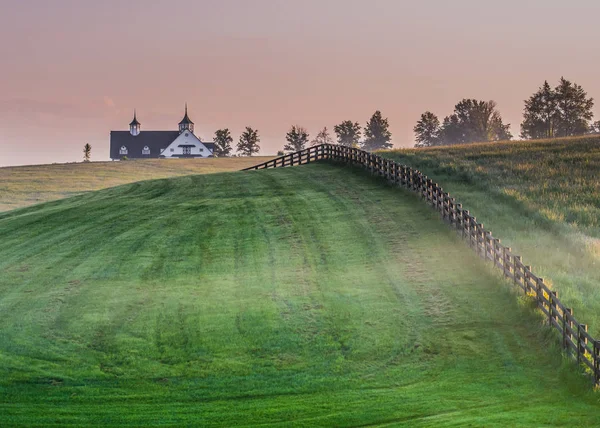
<point>375,135</point>
<point>563,111</point>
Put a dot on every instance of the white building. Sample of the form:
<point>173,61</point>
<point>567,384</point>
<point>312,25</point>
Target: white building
<point>138,144</point>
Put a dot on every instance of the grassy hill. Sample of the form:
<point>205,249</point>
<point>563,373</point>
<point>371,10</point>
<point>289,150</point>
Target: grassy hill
<point>293,297</point>
<point>27,185</point>
<point>541,198</point>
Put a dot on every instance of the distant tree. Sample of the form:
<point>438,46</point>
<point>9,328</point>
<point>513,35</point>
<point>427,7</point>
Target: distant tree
<point>427,130</point>
<point>474,121</point>
<point>87,152</point>
<point>348,133</point>
<point>248,142</point>
<point>297,138</point>
<point>595,127</point>
<point>540,116</point>
<point>564,111</point>
<point>223,140</point>
<point>377,134</point>
<point>323,137</point>
<point>573,109</point>
<point>280,153</point>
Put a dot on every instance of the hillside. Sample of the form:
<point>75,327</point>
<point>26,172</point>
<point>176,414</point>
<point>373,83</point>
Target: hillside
<point>27,185</point>
<point>542,198</point>
<point>289,297</point>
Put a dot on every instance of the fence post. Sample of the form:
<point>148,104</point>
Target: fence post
<point>451,210</point>
<point>597,363</point>
<point>570,324</point>
<point>497,257</point>
<point>578,345</point>
<point>566,312</point>
<point>526,271</point>
<point>581,342</point>
<point>539,293</point>
<point>480,234</point>
<point>517,262</point>
<point>506,260</point>
<point>553,311</point>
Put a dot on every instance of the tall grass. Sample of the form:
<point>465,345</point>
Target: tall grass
<point>540,197</point>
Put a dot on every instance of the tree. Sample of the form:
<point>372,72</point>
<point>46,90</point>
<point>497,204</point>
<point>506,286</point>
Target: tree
<point>323,137</point>
<point>539,117</point>
<point>248,142</point>
<point>87,152</point>
<point>223,140</point>
<point>474,121</point>
<point>560,112</point>
<point>595,128</point>
<point>377,135</point>
<point>427,130</point>
<point>348,133</point>
<point>573,109</point>
<point>297,138</point>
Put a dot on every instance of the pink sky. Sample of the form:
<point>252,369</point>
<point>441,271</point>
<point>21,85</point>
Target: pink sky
<point>72,70</point>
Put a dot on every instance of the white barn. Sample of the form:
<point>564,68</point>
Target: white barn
<point>138,144</point>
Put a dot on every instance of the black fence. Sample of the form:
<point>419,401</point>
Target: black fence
<point>576,340</point>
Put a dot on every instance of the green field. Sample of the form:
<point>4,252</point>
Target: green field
<point>27,185</point>
<point>542,198</point>
<point>288,297</point>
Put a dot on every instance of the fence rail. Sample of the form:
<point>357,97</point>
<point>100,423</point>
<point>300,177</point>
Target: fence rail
<point>575,338</point>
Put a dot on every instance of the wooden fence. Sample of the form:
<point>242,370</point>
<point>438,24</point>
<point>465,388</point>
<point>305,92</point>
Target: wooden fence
<point>576,340</point>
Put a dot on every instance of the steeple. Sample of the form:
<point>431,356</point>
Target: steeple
<point>134,126</point>
<point>186,123</point>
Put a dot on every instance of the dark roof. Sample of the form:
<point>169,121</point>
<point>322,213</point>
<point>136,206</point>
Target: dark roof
<point>155,140</point>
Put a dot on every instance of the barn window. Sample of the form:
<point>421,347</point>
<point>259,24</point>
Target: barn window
<point>201,149</point>
<point>123,150</point>
<point>172,150</point>
<point>146,150</point>
<point>187,150</point>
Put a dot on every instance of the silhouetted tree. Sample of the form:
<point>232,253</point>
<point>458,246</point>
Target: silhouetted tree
<point>427,130</point>
<point>223,140</point>
<point>474,121</point>
<point>573,109</point>
<point>377,134</point>
<point>248,142</point>
<point>323,137</point>
<point>297,138</point>
<point>87,152</point>
<point>540,116</point>
<point>560,112</point>
<point>348,133</point>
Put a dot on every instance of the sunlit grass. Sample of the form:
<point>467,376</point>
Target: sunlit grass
<point>28,185</point>
<point>540,197</point>
<point>289,297</point>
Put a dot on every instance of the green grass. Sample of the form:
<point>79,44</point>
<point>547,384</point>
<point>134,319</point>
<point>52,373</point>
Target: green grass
<point>289,297</point>
<point>28,185</point>
<point>542,198</point>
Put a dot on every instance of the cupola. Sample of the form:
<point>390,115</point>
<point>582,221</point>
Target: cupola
<point>134,126</point>
<point>186,123</point>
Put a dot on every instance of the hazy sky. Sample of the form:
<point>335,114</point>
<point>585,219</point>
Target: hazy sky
<point>72,70</point>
